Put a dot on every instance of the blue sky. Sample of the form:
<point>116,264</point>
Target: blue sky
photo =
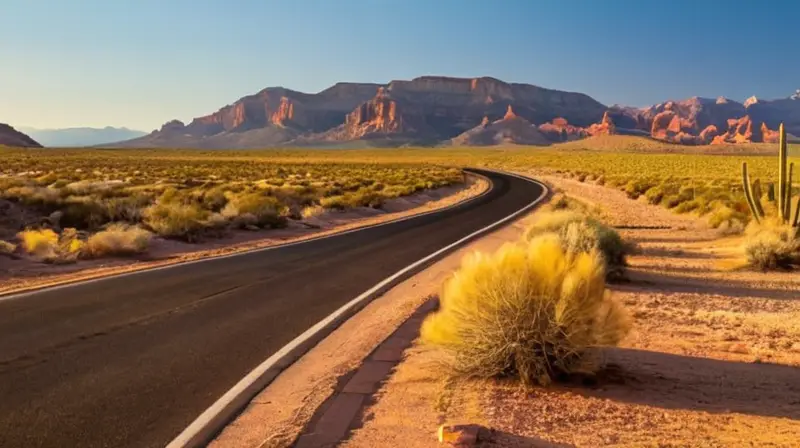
<point>139,63</point>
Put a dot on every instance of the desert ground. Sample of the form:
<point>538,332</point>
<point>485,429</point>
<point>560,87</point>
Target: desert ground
<point>713,360</point>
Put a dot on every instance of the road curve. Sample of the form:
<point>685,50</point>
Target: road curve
<point>130,361</point>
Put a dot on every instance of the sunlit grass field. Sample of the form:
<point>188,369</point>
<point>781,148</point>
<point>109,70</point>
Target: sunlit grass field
<point>94,187</point>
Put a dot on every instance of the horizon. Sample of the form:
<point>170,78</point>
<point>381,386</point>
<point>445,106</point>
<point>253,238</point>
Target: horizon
<point>140,64</point>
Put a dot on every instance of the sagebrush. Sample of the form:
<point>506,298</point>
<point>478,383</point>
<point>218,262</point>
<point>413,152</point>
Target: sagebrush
<point>531,310</point>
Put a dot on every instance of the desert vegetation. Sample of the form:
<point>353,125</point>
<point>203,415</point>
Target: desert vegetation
<point>194,194</point>
<point>70,204</point>
<point>773,238</point>
<point>535,309</point>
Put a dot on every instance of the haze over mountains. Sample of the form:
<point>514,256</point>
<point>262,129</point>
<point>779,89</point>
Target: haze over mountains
<point>80,136</point>
<point>437,110</point>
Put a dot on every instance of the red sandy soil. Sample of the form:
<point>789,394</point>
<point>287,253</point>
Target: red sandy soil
<point>714,360</point>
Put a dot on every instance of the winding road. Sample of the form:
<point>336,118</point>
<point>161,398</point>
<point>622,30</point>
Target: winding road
<point>130,361</point>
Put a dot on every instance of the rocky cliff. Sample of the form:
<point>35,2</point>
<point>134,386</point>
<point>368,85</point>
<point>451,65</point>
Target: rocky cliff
<point>429,109</point>
<point>12,137</point>
<point>706,121</point>
<point>436,109</point>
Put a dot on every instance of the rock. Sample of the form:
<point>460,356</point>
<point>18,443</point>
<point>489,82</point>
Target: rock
<point>750,101</point>
<point>742,130</point>
<point>605,127</point>
<point>510,130</point>
<point>665,125</point>
<point>559,130</point>
<point>463,436</point>
<point>509,114</point>
<point>708,134</point>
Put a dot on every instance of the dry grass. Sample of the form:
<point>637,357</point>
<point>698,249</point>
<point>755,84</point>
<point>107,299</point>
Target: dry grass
<point>772,245</point>
<point>117,239</point>
<point>531,310</point>
<point>92,188</point>
<point>50,247</point>
<point>580,233</point>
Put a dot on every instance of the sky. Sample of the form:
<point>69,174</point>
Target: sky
<point>140,63</point>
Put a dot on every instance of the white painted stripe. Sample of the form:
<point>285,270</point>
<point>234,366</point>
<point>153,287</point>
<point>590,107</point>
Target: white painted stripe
<point>34,291</point>
<point>201,431</point>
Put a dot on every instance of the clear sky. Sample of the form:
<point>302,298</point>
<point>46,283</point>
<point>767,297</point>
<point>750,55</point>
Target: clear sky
<point>139,63</point>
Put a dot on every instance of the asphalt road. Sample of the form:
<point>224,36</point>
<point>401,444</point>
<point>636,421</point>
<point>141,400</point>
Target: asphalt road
<point>130,361</point>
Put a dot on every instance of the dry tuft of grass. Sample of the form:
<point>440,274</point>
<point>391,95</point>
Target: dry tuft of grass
<point>532,310</point>
<point>51,247</point>
<point>117,239</point>
<point>176,220</point>
<point>580,233</point>
<point>772,245</point>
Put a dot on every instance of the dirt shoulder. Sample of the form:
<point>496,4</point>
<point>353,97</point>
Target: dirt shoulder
<point>713,360</point>
<point>21,274</point>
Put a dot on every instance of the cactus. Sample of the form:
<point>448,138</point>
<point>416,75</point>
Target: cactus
<point>753,202</point>
<point>757,195</point>
<point>787,212</point>
<point>752,190</point>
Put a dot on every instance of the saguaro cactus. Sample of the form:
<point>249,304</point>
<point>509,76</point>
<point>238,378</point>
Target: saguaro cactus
<point>752,190</point>
<point>752,201</point>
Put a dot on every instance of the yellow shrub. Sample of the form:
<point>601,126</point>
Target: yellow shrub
<point>772,245</point>
<point>39,242</point>
<point>50,246</point>
<point>530,310</point>
<point>580,233</point>
<point>118,239</point>
<point>176,220</point>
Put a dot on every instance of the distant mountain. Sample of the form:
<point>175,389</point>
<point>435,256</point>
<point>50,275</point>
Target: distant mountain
<point>12,137</point>
<point>428,110</point>
<point>81,136</point>
<point>711,121</point>
<point>434,110</point>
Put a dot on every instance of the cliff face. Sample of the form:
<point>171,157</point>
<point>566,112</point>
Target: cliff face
<point>429,108</point>
<point>435,109</point>
<point>271,117</point>
<point>442,108</point>
<point>12,137</point>
<point>705,121</point>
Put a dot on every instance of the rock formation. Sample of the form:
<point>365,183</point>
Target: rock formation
<point>509,130</point>
<point>435,109</point>
<point>429,108</point>
<point>560,130</point>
